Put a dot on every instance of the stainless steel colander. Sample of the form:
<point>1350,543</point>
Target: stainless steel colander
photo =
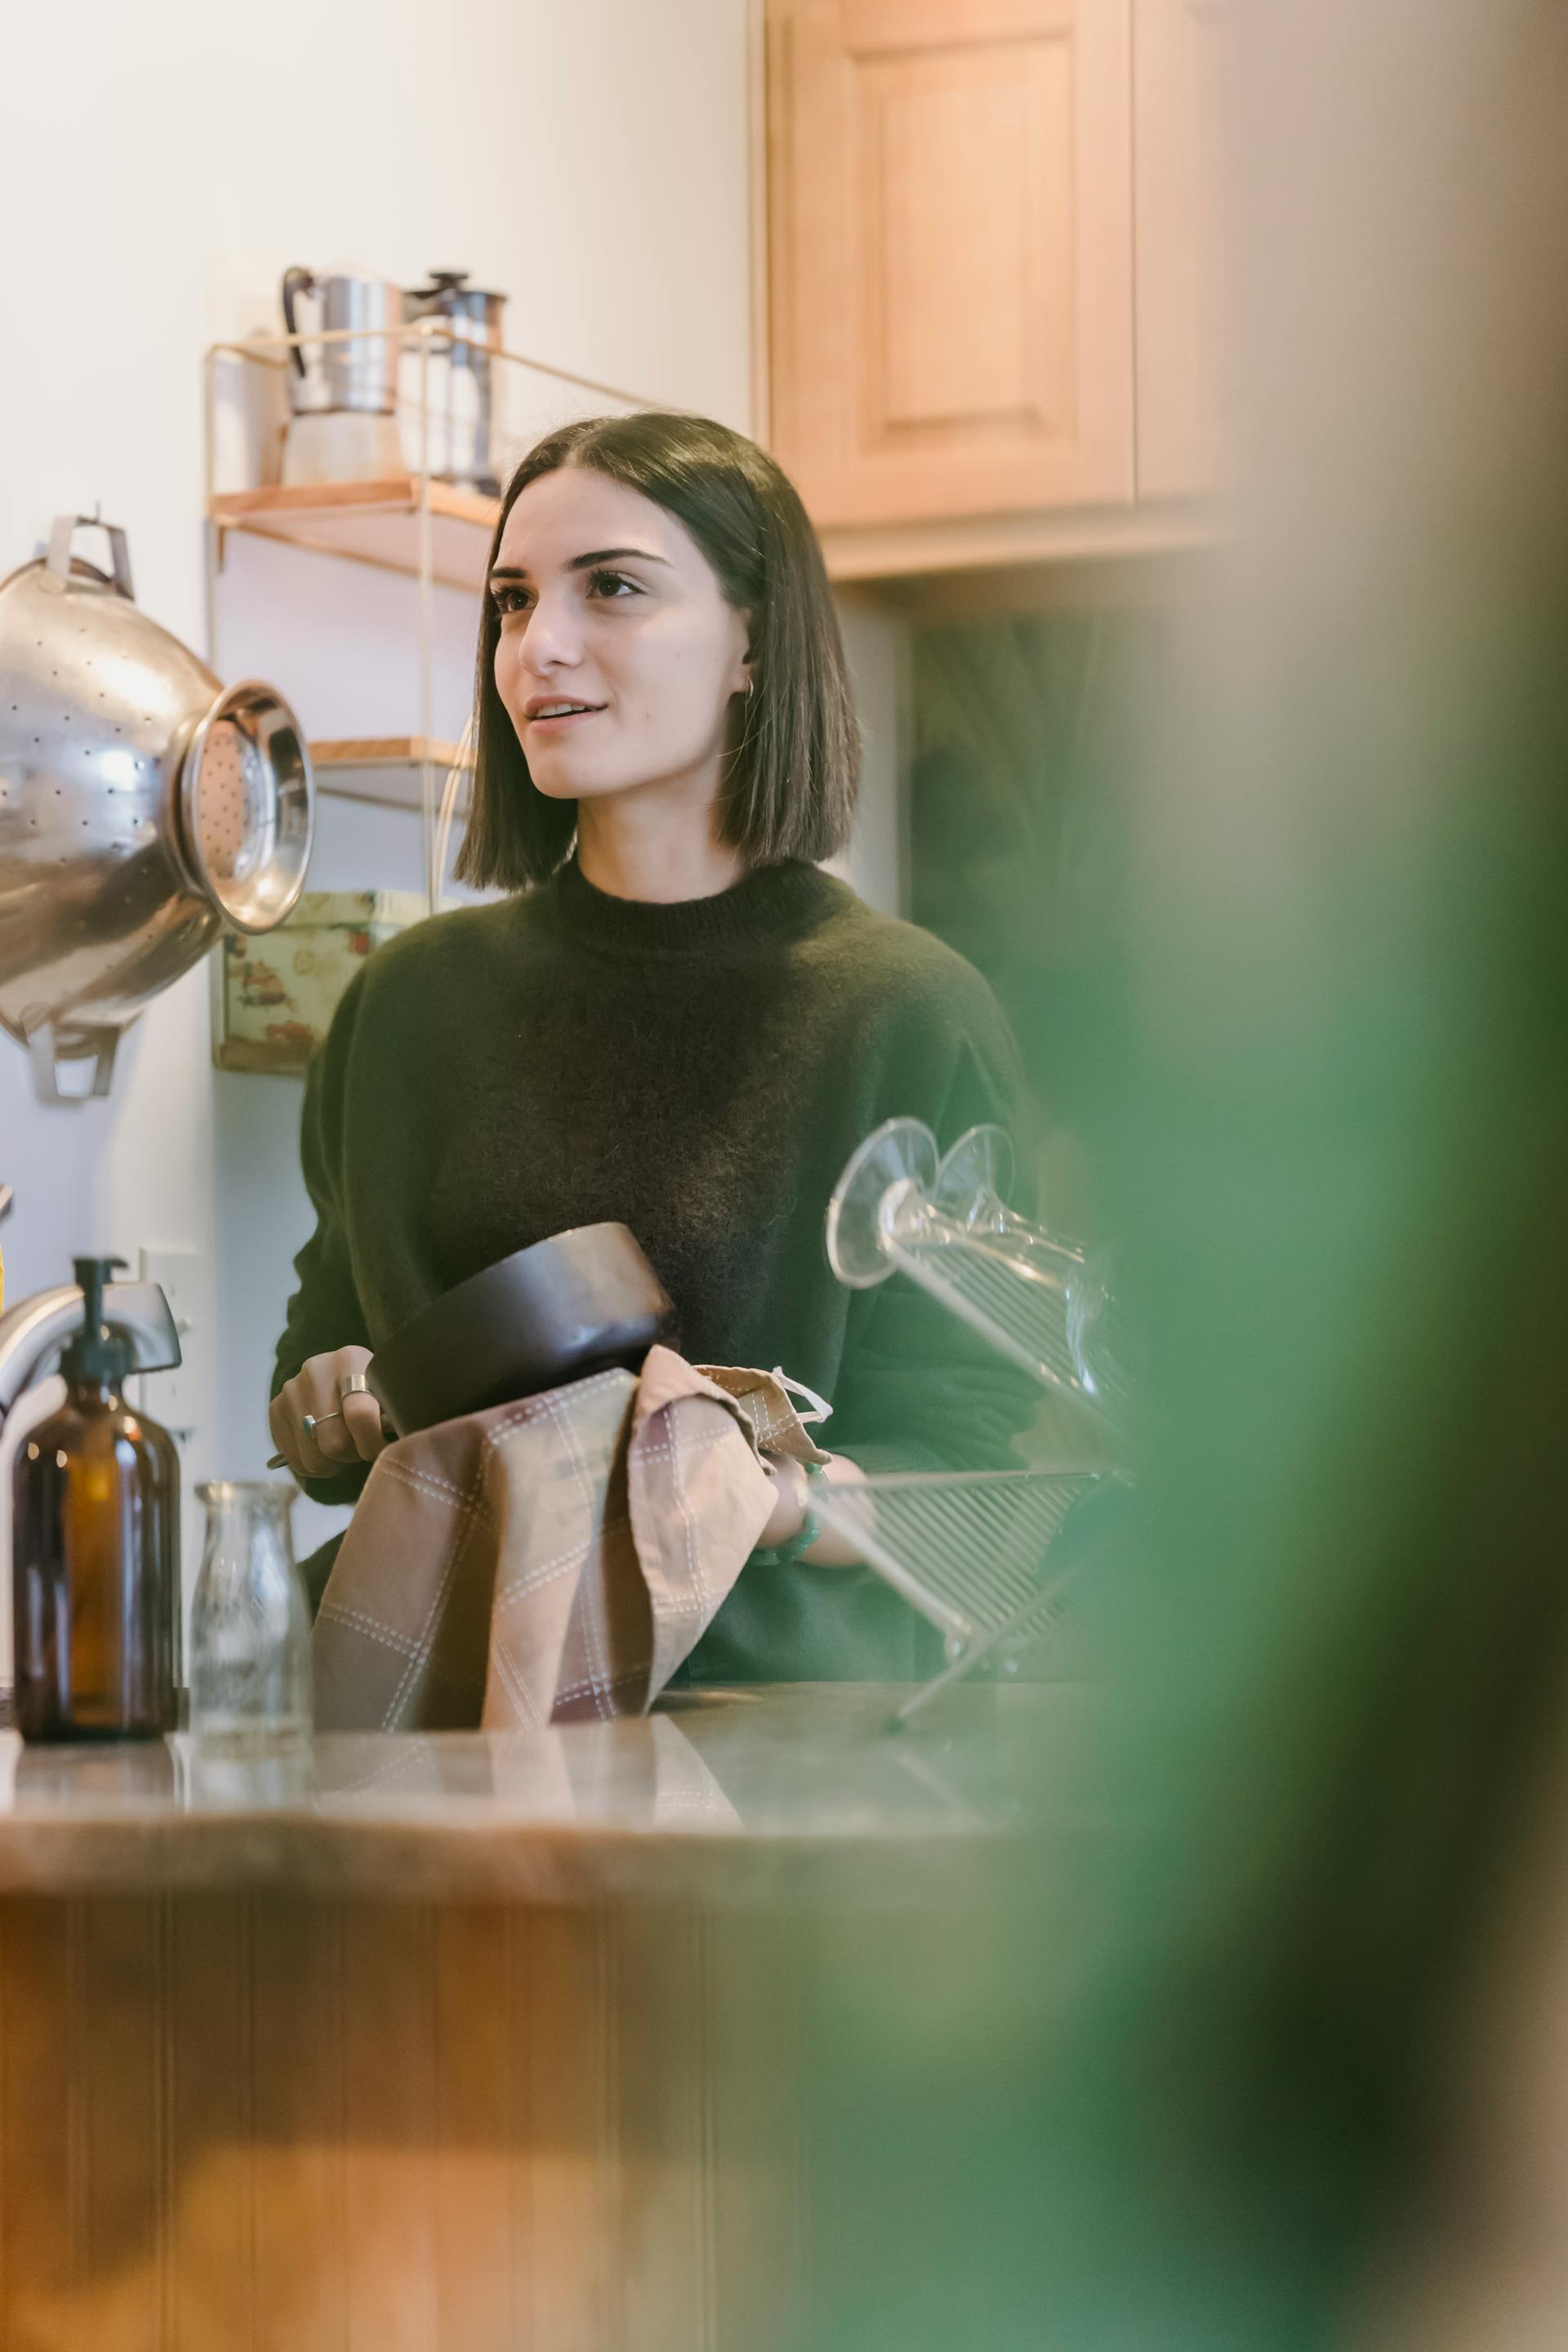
<point>143,808</point>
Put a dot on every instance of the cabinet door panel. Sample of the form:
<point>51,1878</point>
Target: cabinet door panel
<point>951,255</point>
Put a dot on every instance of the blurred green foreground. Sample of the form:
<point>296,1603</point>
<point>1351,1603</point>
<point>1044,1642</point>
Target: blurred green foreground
<point>1190,2080</point>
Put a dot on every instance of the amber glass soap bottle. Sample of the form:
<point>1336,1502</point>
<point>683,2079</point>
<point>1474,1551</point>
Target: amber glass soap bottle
<point>95,1551</point>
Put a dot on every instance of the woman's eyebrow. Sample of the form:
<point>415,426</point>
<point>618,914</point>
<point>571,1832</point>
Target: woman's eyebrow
<point>612,555</point>
<point>585,562</point>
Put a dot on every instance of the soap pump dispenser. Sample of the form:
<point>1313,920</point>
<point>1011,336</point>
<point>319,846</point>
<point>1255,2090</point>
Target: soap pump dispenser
<point>95,1549</point>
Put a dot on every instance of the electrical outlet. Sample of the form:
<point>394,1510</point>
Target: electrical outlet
<point>172,1397</point>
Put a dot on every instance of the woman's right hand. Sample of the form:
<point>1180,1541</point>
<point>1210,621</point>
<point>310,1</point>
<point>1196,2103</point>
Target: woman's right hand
<point>317,1389</point>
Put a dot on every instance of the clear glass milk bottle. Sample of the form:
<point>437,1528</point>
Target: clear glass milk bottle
<point>250,1621</point>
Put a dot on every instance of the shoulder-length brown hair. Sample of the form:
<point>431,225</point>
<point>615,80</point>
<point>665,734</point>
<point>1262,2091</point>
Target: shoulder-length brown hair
<point>792,778</point>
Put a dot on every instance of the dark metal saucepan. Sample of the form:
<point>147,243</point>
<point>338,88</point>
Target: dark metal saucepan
<point>574,1305</point>
<point>577,1304</point>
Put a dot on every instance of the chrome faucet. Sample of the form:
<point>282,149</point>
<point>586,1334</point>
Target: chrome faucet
<point>32,1332</point>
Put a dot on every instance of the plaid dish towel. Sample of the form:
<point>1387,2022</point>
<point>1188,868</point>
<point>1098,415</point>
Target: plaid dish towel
<point>551,1560</point>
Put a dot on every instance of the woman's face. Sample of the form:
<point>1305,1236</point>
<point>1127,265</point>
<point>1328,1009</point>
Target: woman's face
<point>619,654</point>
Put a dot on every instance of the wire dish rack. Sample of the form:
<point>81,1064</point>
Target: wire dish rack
<point>977,1552</point>
<point>970,1551</point>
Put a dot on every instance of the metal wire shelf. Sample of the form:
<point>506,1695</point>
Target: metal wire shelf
<point>414,517</point>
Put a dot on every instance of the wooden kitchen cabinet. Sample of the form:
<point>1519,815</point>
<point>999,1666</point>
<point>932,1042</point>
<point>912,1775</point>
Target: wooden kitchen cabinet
<point>951,269</point>
<point>992,272</point>
<point>1178,60</point>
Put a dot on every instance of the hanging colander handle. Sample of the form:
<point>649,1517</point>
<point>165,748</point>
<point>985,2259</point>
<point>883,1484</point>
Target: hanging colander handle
<point>63,531</point>
<point>50,1043</point>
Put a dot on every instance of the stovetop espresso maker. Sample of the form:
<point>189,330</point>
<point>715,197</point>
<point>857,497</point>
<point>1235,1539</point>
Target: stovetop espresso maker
<point>342,376</point>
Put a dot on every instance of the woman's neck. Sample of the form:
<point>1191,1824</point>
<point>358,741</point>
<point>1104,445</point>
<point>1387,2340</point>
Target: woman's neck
<point>662,856</point>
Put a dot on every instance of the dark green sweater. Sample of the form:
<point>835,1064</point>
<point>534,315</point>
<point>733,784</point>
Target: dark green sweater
<point>700,1073</point>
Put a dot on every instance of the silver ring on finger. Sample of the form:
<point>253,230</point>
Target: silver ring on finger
<point>355,1385</point>
<point>310,1421</point>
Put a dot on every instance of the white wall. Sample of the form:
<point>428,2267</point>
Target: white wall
<point>591,160</point>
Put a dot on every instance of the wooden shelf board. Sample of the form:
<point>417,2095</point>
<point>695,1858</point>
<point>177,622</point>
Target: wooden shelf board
<point>370,522</point>
<point>385,769</point>
<point>387,751</point>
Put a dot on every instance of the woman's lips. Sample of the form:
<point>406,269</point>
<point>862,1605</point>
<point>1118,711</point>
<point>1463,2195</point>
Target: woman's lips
<point>564,718</point>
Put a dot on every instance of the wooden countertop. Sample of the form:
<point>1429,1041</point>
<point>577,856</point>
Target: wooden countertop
<point>733,1795</point>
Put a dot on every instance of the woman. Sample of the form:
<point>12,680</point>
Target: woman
<point>676,1019</point>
